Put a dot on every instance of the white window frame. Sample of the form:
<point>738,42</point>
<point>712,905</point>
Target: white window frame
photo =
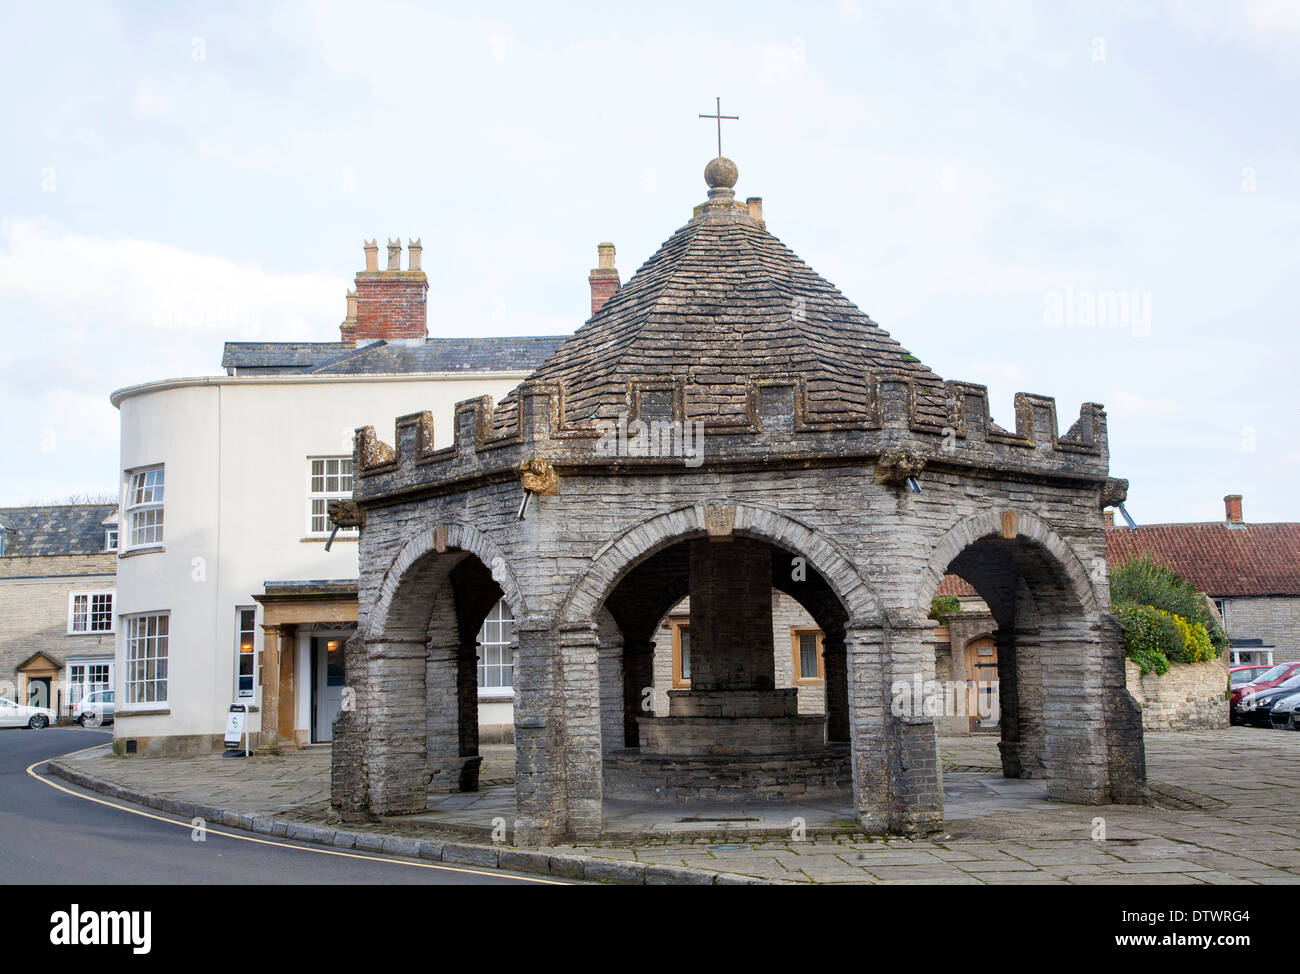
<point>144,499</point>
<point>161,675</point>
<point>498,617</point>
<point>79,688</point>
<point>110,538</point>
<point>90,604</point>
<point>325,496</point>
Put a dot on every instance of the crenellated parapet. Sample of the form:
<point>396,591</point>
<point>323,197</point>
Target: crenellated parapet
<point>948,424</point>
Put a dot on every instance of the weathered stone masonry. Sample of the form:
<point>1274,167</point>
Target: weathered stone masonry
<point>814,419</point>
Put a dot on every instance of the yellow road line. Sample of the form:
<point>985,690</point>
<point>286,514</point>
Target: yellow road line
<point>282,845</point>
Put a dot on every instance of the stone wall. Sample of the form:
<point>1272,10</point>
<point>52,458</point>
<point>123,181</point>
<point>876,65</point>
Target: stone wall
<point>1189,697</point>
<point>34,596</point>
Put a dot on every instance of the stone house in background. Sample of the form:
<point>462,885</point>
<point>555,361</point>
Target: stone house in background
<point>57,592</point>
<point>1251,571</point>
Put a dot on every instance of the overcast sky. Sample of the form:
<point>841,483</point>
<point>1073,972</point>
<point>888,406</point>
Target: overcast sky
<point>974,177</point>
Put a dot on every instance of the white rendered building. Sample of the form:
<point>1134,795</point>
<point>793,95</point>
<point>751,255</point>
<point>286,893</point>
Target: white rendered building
<point>224,531</point>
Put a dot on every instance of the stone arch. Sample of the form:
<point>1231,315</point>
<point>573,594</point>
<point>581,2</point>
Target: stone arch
<point>1028,527</point>
<point>450,538</point>
<point>642,540</point>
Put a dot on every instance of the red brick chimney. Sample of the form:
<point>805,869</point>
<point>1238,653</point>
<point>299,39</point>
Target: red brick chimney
<point>392,303</point>
<point>1109,515</point>
<point>1232,508</point>
<point>604,278</point>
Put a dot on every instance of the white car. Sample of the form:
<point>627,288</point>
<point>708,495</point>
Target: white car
<point>16,715</point>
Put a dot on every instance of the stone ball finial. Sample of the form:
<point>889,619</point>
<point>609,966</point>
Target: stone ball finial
<point>721,172</point>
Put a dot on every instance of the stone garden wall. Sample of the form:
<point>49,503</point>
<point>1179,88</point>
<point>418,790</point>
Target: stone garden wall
<point>1189,697</point>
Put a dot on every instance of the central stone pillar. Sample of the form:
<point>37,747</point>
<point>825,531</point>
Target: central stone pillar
<point>733,706</point>
<point>731,615</point>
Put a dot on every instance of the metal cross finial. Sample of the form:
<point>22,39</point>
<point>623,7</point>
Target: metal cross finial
<point>717,114</point>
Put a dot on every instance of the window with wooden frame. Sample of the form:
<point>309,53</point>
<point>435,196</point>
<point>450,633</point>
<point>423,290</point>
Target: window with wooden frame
<point>90,612</point>
<point>806,647</point>
<point>681,652</point>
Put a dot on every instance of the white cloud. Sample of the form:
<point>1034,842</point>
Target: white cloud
<point>140,284</point>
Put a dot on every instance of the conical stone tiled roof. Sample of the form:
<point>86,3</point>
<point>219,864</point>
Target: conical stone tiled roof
<point>723,303</point>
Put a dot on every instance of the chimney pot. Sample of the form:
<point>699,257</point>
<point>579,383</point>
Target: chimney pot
<point>1232,508</point>
<point>388,306</point>
<point>604,278</point>
<point>413,254</point>
<point>755,204</point>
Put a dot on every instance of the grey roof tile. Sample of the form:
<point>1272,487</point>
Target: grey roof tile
<point>64,529</point>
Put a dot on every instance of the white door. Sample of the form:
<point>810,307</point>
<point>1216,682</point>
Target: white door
<point>327,690</point>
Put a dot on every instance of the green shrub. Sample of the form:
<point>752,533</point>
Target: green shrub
<point>1188,631</point>
<point>1146,636</point>
<point>944,605</point>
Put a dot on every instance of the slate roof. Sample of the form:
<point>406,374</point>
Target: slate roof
<point>722,301</point>
<point>1250,560</point>
<point>389,358</point>
<point>65,529</point>
<point>1222,562</point>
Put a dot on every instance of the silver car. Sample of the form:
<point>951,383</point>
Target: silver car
<point>1285,714</point>
<point>94,709</point>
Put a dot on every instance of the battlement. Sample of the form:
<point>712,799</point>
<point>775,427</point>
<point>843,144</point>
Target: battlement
<point>947,423</point>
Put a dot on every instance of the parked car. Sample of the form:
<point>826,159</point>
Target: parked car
<point>94,709</point>
<point>1285,714</point>
<point>1265,681</point>
<point>1255,708</point>
<point>16,715</point>
<point>1246,673</point>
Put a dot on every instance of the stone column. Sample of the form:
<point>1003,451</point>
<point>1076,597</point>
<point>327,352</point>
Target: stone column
<point>442,710</point>
<point>1008,703</point>
<point>1073,717</point>
<point>557,734</point>
<point>638,673</point>
<point>1029,700</point>
<point>268,740</point>
<point>288,684</point>
<point>731,615</point>
<point>835,664</point>
<point>917,785</point>
<point>467,696</point>
<point>868,711</point>
<point>396,750</point>
<point>1126,748</point>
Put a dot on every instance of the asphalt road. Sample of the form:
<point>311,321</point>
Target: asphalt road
<point>52,836</point>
